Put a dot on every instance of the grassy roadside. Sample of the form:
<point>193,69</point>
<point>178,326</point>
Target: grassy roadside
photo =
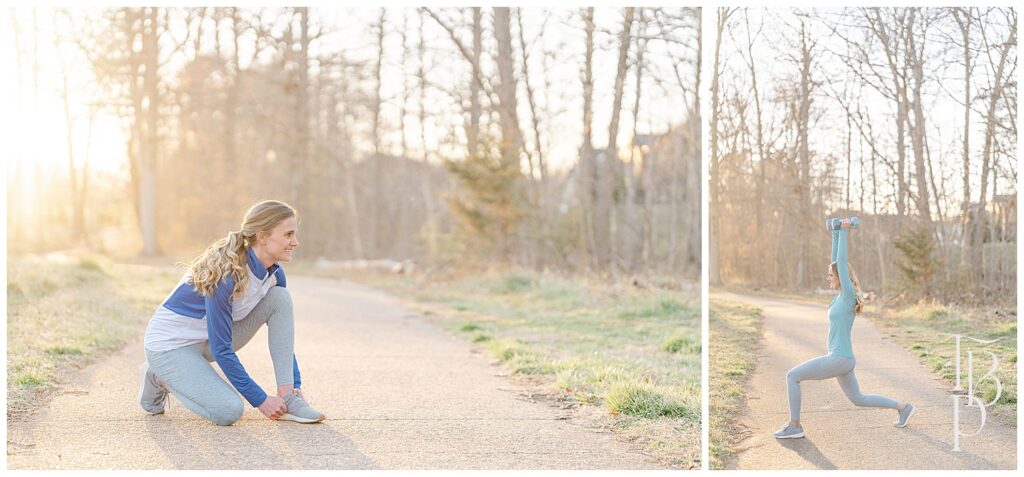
<point>925,331</point>
<point>66,310</point>
<point>586,345</point>
<point>731,358</point>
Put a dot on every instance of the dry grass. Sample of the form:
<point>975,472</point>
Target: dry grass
<point>731,359</point>
<point>66,310</point>
<point>635,353</point>
<point>924,329</point>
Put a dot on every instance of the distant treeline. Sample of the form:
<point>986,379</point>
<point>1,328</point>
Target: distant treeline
<point>426,134</point>
<point>837,112</point>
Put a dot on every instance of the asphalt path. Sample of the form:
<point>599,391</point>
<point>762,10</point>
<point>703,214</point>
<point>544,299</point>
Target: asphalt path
<point>840,435</point>
<point>398,392</point>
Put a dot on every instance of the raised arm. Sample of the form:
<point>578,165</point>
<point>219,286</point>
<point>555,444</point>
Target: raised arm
<point>835,244</point>
<point>844,268</point>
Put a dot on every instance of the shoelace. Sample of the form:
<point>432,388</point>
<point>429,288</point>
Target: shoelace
<point>167,390</point>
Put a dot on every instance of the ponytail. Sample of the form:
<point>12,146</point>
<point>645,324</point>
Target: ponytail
<point>859,305</point>
<point>225,256</point>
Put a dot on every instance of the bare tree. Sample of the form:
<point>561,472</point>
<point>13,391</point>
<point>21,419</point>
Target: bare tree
<point>987,162</point>
<point>610,175</point>
<point>473,130</point>
<point>964,19</point>
<point>916,59</point>
<point>373,236</point>
<point>511,143</point>
<point>588,166</point>
<point>807,46</point>
<point>722,20</point>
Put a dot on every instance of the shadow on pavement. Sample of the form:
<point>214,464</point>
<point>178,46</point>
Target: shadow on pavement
<point>968,459</point>
<point>254,444</point>
<point>805,448</point>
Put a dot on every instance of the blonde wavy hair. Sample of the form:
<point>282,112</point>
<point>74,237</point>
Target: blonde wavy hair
<point>856,285</point>
<point>228,255</point>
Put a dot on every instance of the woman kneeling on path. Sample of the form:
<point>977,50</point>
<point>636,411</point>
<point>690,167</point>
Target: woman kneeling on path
<point>839,362</point>
<point>229,292</point>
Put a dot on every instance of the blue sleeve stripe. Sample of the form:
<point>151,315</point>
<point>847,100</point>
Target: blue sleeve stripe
<point>186,301</point>
<point>218,325</point>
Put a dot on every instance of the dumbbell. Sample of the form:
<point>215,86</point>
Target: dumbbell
<point>836,224</point>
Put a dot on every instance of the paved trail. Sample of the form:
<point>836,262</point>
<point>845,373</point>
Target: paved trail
<point>398,392</point>
<point>839,434</point>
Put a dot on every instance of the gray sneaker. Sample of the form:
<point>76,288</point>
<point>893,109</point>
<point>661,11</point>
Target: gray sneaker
<point>152,392</point>
<point>789,432</point>
<point>299,410</point>
<point>905,414</point>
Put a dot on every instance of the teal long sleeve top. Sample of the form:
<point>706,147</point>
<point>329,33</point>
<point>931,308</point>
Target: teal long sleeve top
<point>841,310</point>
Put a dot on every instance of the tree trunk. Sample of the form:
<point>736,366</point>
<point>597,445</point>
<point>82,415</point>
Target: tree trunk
<point>610,174</point>
<point>990,126</point>
<point>803,152</point>
<point>587,178</point>
<point>231,113</point>
<point>433,248</point>
<point>373,247</point>
<point>303,164</point>
<point>761,154</point>
<point>148,116</point>
<point>634,233</point>
<point>511,138</point>
<point>963,19</point>
<point>539,219</point>
<point>695,181</point>
<point>714,276</point>
<point>473,131</point>
<point>510,143</point>
<point>916,63</point>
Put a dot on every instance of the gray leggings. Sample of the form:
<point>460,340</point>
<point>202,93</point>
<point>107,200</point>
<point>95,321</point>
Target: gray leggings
<point>831,366</point>
<point>194,382</point>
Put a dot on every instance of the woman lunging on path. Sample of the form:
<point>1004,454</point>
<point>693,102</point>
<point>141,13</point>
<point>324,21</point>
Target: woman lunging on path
<point>229,292</point>
<point>839,363</point>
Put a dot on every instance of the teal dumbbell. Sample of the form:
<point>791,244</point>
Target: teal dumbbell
<point>836,224</point>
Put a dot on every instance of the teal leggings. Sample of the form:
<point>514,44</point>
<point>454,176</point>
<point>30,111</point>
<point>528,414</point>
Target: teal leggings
<point>191,378</point>
<point>831,366</point>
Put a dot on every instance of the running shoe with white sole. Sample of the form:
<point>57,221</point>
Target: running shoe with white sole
<point>789,432</point>
<point>904,415</point>
<point>299,410</point>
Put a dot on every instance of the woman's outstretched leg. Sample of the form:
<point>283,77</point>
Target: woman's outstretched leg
<point>851,387</point>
